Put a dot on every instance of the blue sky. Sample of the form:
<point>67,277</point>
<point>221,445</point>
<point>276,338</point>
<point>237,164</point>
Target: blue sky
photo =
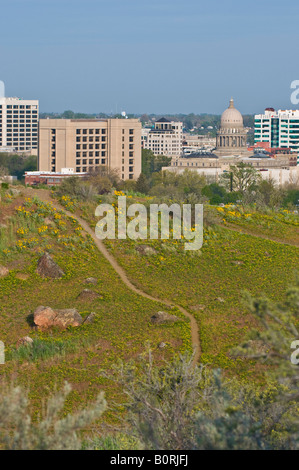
<point>165,56</point>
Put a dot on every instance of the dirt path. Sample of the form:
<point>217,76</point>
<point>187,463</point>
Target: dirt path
<point>44,195</point>
<point>258,235</point>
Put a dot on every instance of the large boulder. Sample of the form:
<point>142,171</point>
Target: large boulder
<point>164,317</point>
<point>46,267</point>
<point>46,317</point>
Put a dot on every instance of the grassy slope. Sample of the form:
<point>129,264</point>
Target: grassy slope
<point>122,324</point>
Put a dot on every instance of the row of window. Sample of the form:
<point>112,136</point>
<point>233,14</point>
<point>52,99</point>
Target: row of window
<point>91,154</point>
<point>18,106</point>
<point>90,146</point>
<point>91,161</point>
<point>91,139</point>
<point>22,125</point>
<point>88,131</point>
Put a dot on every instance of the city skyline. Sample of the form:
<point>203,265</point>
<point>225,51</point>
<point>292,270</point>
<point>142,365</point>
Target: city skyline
<point>164,57</point>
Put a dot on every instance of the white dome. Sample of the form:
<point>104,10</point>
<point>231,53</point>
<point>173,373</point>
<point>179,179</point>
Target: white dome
<point>231,118</point>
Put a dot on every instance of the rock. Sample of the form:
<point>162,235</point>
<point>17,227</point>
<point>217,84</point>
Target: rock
<point>68,317</point>
<point>46,267</point>
<point>90,318</point>
<point>88,295</point>
<point>220,299</point>
<point>3,271</point>
<point>46,317</point>
<point>26,341</point>
<point>145,250</point>
<point>162,345</point>
<point>22,276</point>
<point>48,221</point>
<point>164,317</point>
<point>197,307</point>
<point>91,280</point>
<point>15,191</point>
<point>237,262</point>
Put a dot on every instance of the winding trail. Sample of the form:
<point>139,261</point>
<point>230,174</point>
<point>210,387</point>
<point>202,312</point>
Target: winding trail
<point>245,231</point>
<point>44,195</point>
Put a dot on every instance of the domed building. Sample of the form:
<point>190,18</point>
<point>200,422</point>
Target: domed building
<point>231,137</point>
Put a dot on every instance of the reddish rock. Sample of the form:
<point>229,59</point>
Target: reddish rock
<point>46,317</point>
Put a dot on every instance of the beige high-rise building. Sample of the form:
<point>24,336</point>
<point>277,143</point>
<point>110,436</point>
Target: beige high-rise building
<point>18,125</point>
<point>82,145</point>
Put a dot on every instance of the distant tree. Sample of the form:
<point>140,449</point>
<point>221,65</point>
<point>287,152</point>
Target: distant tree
<point>291,197</point>
<point>243,177</point>
<point>68,114</point>
<point>3,171</point>
<point>142,184</point>
<point>103,179</point>
<point>152,163</point>
<point>76,187</point>
<point>268,194</point>
<point>144,118</point>
<point>215,193</point>
<point>16,165</point>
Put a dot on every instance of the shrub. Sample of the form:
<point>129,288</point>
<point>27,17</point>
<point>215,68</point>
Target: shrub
<point>18,432</point>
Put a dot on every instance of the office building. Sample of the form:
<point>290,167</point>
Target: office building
<point>166,138</point>
<point>18,125</point>
<point>278,128</point>
<point>82,145</point>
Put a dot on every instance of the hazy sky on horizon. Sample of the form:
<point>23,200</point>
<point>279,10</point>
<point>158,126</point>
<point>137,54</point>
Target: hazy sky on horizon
<point>158,56</point>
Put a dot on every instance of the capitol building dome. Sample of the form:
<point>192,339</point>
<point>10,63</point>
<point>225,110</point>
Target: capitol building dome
<point>231,137</point>
<point>231,117</point>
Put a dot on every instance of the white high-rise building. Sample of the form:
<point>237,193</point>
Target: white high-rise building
<point>166,138</point>
<point>18,124</point>
<point>279,128</point>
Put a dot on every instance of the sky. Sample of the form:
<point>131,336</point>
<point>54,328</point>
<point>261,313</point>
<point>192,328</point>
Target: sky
<point>154,56</point>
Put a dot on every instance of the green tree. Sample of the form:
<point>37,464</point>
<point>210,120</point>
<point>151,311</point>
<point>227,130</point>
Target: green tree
<point>152,163</point>
<point>242,178</point>
<point>142,184</point>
